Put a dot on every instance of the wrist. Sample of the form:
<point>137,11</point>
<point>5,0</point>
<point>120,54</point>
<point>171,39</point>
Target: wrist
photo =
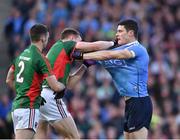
<point>112,43</point>
<point>77,55</point>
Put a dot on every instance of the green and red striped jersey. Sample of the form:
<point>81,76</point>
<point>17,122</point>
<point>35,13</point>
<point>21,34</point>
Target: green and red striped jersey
<point>59,57</point>
<point>30,68</point>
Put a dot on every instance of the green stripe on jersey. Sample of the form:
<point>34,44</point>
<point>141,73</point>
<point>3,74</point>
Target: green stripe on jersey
<point>59,58</point>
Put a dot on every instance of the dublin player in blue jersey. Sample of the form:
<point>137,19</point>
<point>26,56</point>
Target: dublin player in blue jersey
<point>128,65</point>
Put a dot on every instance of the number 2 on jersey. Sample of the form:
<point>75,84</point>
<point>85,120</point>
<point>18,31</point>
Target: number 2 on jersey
<point>19,78</point>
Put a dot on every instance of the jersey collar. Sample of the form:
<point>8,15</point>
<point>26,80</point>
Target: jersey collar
<point>134,42</point>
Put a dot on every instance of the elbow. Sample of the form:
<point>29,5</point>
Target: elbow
<point>8,81</point>
<point>59,88</point>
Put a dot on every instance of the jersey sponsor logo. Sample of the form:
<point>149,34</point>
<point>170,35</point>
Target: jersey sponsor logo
<point>114,63</point>
<point>24,58</point>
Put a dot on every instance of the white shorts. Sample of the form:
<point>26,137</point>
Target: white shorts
<point>53,109</point>
<point>24,118</point>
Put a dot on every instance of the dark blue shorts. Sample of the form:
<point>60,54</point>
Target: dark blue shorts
<point>138,113</point>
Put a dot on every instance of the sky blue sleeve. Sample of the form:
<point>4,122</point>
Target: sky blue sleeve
<point>136,49</point>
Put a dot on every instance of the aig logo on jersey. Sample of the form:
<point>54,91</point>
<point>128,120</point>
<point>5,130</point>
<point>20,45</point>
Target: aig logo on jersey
<point>114,63</point>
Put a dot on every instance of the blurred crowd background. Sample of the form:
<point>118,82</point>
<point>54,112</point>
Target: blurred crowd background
<point>94,103</point>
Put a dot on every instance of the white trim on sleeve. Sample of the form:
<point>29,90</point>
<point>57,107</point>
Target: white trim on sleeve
<point>133,53</point>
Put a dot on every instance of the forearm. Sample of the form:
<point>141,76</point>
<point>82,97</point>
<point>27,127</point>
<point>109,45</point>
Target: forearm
<point>54,84</point>
<point>11,84</point>
<point>94,46</point>
<point>76,76</point>
<point>99,55</point>
<point>105,55</point>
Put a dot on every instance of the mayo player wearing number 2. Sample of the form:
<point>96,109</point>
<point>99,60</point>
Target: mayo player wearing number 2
<point>25,76</point>
<point>127,63</point>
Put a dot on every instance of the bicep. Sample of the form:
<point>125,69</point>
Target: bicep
<point>125,54</point>
<point>135,50</point>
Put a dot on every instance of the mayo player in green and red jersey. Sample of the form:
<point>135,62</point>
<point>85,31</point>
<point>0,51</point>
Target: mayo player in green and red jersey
<point>25,76</point>
<point>54,112</point>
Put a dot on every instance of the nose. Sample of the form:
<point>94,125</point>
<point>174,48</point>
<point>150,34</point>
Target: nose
<point>116,34</point>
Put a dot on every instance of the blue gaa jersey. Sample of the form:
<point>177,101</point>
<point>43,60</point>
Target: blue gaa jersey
<point>130,75</point>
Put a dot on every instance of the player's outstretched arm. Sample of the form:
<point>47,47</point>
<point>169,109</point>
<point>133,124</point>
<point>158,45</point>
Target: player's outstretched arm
<point>109,54</point>
<point>76,76</point>
<point>104,55</point>
<point>93,46</point>
<point>10,78</point>
<point>54,84</point>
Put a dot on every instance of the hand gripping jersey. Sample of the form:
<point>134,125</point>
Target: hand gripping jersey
<point>130,75</point>
<point>30,68</point>
<point>59,57</point>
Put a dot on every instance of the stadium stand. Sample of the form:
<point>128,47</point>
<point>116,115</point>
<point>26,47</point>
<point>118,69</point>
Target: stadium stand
<point>94,102</point>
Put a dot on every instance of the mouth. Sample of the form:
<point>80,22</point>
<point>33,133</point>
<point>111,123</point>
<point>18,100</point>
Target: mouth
<point>118,39</point>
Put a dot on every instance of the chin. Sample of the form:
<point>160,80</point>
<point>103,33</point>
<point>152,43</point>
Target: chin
<point>120,43</point>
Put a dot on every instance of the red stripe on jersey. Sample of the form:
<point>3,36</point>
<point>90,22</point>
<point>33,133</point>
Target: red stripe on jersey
<point>60,64</point>
<point>35,88</point>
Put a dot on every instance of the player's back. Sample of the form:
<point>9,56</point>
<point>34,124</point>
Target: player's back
<point>59,57</point>
<point>28,78</point>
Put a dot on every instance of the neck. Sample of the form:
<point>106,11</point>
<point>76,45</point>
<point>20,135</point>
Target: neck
<point>132,40</point>
<point>38,45</point>
<point>66,39</point>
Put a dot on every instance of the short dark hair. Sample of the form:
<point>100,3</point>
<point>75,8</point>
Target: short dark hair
<point>130,24</point>
<point>69,31</point>
<point>36,31</point>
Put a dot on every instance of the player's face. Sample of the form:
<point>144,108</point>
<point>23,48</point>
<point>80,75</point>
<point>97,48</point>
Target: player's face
<point>122,35</point>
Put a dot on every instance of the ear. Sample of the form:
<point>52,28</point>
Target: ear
<point>131,33</point>
<point>43,38</point>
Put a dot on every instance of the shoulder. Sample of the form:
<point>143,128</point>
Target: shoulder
<point>138,49</point>
<point>65,44</point>
<point>69,46</point>
<point>37,56</point>
<point>58,43</point>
